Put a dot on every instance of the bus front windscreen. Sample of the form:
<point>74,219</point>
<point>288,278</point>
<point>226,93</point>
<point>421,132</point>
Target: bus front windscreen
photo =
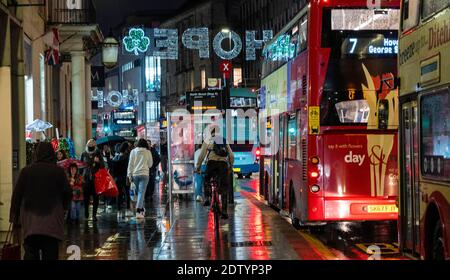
<point>360,74</point>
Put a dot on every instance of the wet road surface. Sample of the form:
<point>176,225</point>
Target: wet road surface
<point>254,231</point>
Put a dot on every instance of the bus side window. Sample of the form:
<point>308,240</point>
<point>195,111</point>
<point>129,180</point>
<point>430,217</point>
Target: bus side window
<point>383,114</point>
<point>410,14</point>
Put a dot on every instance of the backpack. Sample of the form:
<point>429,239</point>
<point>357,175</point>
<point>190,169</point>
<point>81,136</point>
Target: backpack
<point>220,149</point>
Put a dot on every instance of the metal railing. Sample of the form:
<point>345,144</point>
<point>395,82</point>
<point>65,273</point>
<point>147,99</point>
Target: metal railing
<point>60,13</point>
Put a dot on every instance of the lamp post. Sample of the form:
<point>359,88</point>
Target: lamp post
<point>110,51</point>
<point>227,80</point>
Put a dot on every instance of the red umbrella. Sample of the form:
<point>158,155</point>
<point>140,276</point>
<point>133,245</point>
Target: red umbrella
<point>67,162</point>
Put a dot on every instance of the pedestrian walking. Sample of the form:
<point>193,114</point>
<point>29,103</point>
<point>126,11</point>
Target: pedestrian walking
<point>164,159</point>
<point>94,161</point>
<point>119,172</point>
<point>107,156</point>
<point>153,170</point>
<point>39,199</point>
<point>107,160</point>
<point>138,173</point>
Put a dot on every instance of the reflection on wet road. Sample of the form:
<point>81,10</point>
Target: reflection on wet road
<point>254,231</point>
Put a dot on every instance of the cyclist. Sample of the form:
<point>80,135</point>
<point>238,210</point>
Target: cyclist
<point>219,157</point>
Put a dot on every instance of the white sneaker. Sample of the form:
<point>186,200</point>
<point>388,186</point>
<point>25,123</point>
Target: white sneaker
<point>199,198</point>
<point>129,213</point>
<point>140,216</point>
<point>119,216</point>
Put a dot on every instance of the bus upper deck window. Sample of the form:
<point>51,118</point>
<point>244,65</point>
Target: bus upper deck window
<point>406,10</point>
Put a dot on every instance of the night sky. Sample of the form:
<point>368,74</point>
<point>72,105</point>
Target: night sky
<point>110,13</point>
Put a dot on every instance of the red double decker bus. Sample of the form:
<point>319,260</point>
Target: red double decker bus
<point>330,94</point>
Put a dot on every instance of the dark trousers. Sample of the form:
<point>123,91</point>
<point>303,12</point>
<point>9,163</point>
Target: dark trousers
<point>40,247</point>
<point>151,184</point>
<point>220,170</point>
<point>124,194</point>
<point>89,190</point>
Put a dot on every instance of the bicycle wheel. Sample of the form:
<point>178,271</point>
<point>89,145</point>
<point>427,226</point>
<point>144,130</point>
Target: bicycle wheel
<point>216,210</point>
<point>216,218</point>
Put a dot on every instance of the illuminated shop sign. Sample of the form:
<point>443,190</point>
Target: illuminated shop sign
<point>164,43</point>
<point>124,122</point>
<point>204,100</point>
<point>124,118</point>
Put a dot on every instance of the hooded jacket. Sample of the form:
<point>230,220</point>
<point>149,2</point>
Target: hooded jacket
<point>140,162</point>
<point>88,158</point>
<point>41,195</point>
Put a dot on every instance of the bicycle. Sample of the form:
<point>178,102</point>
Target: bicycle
<point>215,201</point>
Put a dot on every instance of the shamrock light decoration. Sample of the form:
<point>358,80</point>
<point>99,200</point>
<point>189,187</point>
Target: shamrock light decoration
<point>136,41</point>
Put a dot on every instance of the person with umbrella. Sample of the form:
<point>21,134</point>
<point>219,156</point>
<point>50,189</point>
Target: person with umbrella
<point>38,126</point>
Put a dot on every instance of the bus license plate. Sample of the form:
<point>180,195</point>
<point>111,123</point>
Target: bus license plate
<point>382,209</point>
<point>236,170</point>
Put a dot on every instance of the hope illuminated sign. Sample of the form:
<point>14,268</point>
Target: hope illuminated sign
<point>165,43</point>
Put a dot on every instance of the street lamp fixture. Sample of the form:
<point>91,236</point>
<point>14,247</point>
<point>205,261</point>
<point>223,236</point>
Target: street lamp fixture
<point>110,51</point>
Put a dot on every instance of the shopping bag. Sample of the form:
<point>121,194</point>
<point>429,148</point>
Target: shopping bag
<point>133,194</point>
<point>10,251</point>
<point>105,184</point>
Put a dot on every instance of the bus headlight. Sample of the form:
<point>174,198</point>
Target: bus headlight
<point>315,188</point>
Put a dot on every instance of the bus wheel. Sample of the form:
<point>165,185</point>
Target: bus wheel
<point>249,175</point>
<point>438,243</point>
<point>294,220</point>
<point>240,176</point>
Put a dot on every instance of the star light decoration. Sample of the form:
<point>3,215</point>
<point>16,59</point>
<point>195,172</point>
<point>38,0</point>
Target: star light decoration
<point>136,41</point>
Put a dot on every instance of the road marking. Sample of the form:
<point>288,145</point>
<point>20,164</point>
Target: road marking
<point>386,248</point>
<point>319,246</point>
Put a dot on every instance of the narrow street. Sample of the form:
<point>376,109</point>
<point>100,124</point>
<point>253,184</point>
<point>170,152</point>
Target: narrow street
<point>254,231</point>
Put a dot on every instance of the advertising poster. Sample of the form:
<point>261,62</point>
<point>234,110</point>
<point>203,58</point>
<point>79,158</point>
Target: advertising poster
<point>275,91</point>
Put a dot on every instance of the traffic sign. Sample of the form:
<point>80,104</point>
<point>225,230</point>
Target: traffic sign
<point>225,68</point>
